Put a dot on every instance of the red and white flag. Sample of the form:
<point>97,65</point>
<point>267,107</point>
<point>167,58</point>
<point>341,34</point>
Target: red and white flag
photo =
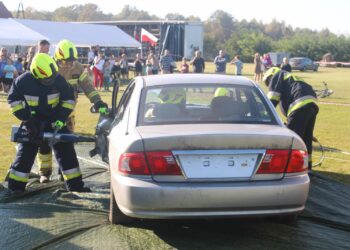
<point>148,37</point>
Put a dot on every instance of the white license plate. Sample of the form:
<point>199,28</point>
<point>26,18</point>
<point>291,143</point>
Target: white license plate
<point>218,166</point>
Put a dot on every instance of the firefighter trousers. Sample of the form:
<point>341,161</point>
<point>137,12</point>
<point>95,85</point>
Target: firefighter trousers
<point>44,158</point>
<point>65,156</point>
<point>302,121</point>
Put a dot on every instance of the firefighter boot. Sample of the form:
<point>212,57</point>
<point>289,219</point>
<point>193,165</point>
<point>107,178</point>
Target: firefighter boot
<point>45,166</point>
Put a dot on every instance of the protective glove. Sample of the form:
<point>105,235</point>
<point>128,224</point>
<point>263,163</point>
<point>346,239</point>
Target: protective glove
<point>102,107</point>
<point>58,125</point>
<point>33,129</point>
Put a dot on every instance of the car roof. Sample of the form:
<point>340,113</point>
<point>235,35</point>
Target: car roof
<point>154,80</point>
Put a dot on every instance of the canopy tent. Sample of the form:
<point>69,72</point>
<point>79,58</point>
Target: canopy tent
<point>83,35</point>
<point>15,33</point>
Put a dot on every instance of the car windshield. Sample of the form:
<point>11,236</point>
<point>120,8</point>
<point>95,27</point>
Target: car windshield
<point>176,104</point>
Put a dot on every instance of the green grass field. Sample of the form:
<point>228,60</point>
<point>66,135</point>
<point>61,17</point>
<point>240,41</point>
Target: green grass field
<point>332,126</point>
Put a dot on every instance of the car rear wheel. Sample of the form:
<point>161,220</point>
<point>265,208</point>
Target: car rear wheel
<point>115,215</point>
<point>289,219</point>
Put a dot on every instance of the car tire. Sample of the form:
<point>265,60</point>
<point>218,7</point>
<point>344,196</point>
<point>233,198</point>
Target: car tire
<point>115,215</point>
<point>288,219</point>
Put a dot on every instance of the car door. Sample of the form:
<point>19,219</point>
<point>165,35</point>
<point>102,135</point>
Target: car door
<point>308,64</point>
<point>104,126</point>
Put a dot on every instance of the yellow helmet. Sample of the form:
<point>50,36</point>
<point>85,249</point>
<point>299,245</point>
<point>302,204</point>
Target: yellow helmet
<point>221,92</point>
<point>43,67</point>
<point>66,50</point>
<point>270,72</point>
<point>173,95</point>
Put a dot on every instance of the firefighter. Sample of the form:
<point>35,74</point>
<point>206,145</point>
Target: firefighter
<point>298,103</point>
<point>43,100</point>
<point>66,56</point>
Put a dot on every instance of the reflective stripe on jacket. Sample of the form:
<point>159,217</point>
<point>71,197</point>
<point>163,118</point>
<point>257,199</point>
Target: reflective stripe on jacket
<point>290,91</point>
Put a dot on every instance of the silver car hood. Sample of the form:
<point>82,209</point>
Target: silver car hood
<point>218,136</point>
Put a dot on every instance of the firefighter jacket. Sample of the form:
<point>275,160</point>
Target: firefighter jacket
<point>28,98</point>
<point>80,78</point>
<point>291,91</point>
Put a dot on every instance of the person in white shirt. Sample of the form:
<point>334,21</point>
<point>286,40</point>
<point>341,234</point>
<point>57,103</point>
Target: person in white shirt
<point>91,55</point>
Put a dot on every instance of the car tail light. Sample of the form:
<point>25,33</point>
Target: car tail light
<point>275,161</point>
<point>157,163</point>
<point>133,163</point>
<point>163,163</point>
<point>298,161</point>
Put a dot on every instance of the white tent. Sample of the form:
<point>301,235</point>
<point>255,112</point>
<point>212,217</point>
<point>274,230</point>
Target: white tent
<point>82,35</point>
<point>15,33</point>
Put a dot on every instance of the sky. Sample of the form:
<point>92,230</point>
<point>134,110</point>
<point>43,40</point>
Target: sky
<point>313,14</point>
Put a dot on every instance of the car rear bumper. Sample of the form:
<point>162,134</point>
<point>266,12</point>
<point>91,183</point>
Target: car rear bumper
<point>147,199</point>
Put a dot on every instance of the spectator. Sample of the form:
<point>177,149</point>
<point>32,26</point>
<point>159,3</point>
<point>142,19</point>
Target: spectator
<point>267,62</point>
<point>122,51</point>
<point>106,75</point>
<point>43,46</point>
<point>220,62</point>
<point>91,55</point>
<point>238,65</point>
<point>99,61</point>
<point>111,60</point>
<point>257,68</point>
<point>19,66</point>
<point>115,71</point>
<point>29,58</point>
<point>10,73</point>
<point>198,63</point>
<point>138,65</point>
<point>285,65</point>
<point>96,50</point>
<point>152,63</point>
<point>166,62</point>
<point>184,66</point>
<point>3,62</point>
<point>124,70</point>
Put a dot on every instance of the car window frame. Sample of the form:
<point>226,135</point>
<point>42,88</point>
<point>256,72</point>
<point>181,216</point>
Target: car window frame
<point>123,103</point>
<point>253,88</point>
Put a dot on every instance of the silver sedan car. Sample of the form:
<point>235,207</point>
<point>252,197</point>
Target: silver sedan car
<point>200,146</point>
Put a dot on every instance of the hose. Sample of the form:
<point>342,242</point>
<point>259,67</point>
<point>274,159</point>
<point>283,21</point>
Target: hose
<point>319,163</point>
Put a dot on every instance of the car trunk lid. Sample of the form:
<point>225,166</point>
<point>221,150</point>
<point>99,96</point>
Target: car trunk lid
<point>216,152</point>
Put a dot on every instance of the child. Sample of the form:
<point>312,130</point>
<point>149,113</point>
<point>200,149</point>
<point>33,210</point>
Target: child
<point>124,68</point>
<point>138,65</point>
<point>10,74</point>
<point>106,75</point>
<point>184,66</point>
<point>238,64</point>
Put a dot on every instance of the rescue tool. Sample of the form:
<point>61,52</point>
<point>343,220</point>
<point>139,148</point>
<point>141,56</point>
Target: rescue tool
<point>19,134</point>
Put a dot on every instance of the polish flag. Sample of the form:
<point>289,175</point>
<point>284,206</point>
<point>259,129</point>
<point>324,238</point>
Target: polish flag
<point>148,37</point>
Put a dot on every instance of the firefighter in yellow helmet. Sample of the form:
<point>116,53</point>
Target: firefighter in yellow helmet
<point>298,103</point>
<point>172,102</point>
<point>221,92</point>
<point>173,96</point>
<point>66,56</point>
<point>43,100</point>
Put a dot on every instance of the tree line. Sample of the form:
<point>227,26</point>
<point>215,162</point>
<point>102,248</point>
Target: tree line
<point>222,31</point>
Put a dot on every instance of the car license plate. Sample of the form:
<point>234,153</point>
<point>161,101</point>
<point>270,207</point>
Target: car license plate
<point>218,166</point>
